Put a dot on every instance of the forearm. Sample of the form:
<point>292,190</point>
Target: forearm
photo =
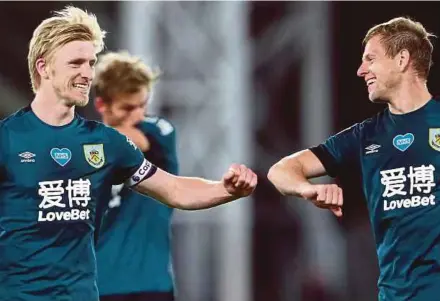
<point>187,193</point>
<point>196,193</point>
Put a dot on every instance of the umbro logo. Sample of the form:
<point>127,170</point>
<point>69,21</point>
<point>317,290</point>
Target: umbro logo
<point>27,157</point>
<point>371,149</point>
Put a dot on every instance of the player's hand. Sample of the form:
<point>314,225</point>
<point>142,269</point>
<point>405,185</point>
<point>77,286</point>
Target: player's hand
<point>136,136</point>
<point>325,196</point>
<point>239,180</point>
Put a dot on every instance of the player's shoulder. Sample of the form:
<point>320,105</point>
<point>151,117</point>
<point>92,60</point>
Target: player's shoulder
<point>363,128</point>
<point>98,128</point>
<point>15,120</point>
<point>436,102</point>
<point>16,116</point>
<point>157,126</point>
<point>90,124</point>
<point>373,122</point>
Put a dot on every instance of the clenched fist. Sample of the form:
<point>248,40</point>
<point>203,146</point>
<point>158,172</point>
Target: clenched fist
<point>325,196</point>
<point>239,180</point>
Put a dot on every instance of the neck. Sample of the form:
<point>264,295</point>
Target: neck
<point>52,110</point>
<point>410,96</point>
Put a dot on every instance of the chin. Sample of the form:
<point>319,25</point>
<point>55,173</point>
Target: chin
<point>82,102</point>
<point>376,98</point>
<point>78,102</point>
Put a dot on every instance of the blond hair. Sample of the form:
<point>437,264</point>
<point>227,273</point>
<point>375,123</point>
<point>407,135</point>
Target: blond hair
<point>403,33</point>
<point>119,73</point>
<point>67,25</point>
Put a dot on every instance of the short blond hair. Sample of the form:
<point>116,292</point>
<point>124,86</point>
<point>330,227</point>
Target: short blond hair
<point>67,25</point>
<point>403,33</point>
<point>120,73</point>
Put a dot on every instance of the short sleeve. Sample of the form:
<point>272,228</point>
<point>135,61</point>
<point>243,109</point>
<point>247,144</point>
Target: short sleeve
<point>340,150</point>
<point>130,165</point>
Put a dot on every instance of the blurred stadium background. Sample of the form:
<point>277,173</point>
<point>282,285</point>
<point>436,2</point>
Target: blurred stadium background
<point>246,82</point>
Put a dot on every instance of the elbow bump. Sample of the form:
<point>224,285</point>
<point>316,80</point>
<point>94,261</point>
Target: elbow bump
<point>271,174</point>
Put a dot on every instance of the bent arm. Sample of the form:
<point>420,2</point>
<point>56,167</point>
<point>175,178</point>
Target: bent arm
<point>291,175</point>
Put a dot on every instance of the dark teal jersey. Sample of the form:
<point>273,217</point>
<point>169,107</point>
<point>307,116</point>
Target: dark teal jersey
<point>133,249</point>
<point>52,180</point>
<point>399,157</point>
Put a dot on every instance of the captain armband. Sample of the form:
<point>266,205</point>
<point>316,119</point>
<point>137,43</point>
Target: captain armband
<point>146,170</point>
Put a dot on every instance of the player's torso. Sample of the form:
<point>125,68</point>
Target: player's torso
<point>52,182</point>
<point>401,167</point>
<point>400,160</point>
<point>53,177</point>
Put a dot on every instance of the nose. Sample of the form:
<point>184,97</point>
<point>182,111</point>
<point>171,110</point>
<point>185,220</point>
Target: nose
<point>139,114</point>
<point>87,71</point>
<point>362,70</point>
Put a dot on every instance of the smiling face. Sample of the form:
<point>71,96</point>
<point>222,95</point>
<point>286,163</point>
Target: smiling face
<point>381,73</point>
<point>69,72</point>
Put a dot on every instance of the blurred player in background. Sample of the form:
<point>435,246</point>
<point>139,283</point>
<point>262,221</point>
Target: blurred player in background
<point>55,168</point>
<point>398,151</point>
<point>133,249</point>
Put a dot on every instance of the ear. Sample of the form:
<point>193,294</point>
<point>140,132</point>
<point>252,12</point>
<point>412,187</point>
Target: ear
<point>403,58</point>
<point>100,105</point>
<point>42,68</point>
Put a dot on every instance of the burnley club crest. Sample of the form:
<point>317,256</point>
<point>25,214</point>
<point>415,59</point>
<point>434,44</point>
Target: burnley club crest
<point>94,154</point>
<point>434,138</point>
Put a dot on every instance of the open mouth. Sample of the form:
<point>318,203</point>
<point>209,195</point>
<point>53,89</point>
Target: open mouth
<point>370,82</point>
<point>83,88</point>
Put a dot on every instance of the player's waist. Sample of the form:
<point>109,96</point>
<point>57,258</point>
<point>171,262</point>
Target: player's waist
<point>424,288</point>
<point>35,285</point>
<point>142,278</point>
<point>148,295</point>
<point>46,258</point>
<point>405,272</point>
<point>163,290</point>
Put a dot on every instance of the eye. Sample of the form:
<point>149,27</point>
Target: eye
<point>75,63</point>
<point>371,59</point>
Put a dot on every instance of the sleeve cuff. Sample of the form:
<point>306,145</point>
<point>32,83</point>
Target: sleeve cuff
<point>326,159</point>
